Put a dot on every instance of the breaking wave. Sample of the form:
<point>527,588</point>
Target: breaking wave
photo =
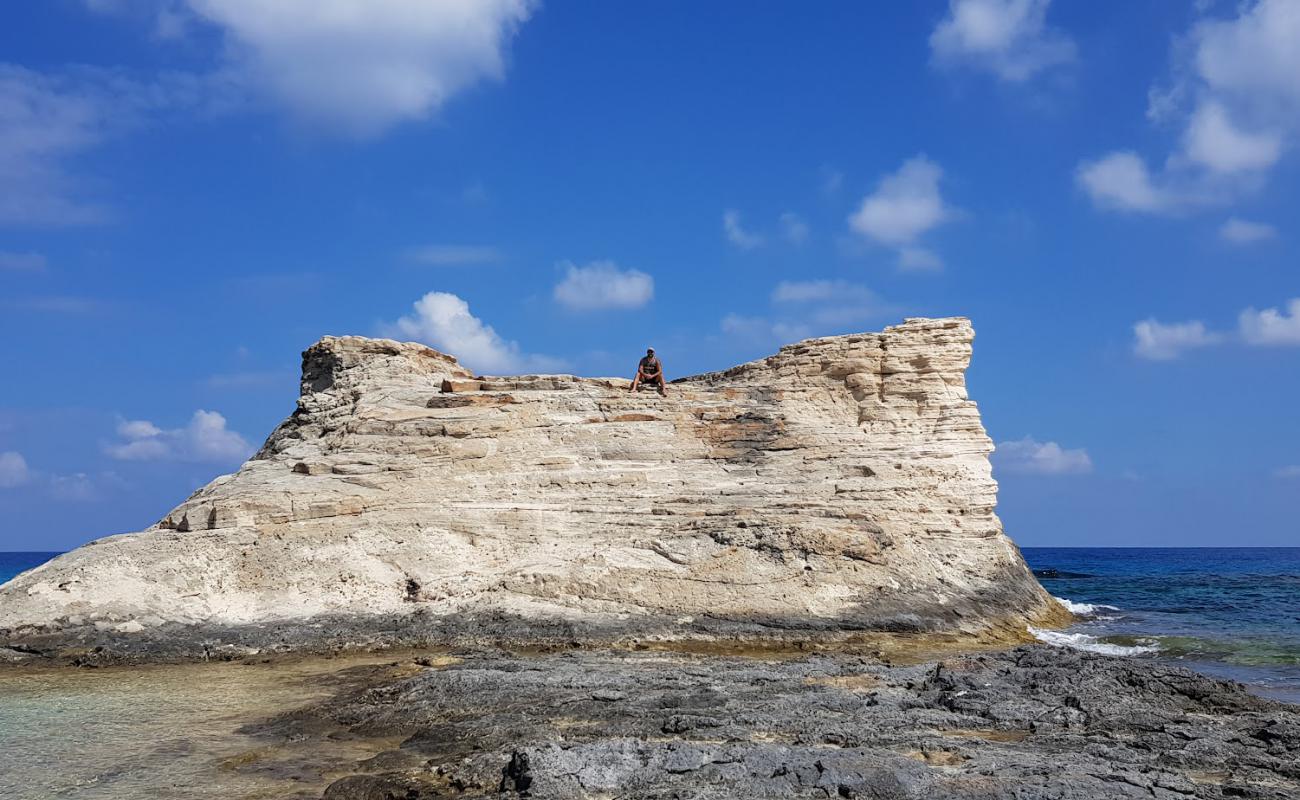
<point>1084,609</point>
<point>1082,641</point>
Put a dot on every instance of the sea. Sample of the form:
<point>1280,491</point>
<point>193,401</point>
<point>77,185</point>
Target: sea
<point>1231,612</point>
<point>177,731</point>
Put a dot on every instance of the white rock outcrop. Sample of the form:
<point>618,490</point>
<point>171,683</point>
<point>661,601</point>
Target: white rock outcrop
<point>840,484</point>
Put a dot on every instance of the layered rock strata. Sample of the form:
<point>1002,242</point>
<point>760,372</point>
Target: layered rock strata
<point>842,484</point>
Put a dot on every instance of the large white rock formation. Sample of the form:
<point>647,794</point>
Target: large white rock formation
<point>841,484</point>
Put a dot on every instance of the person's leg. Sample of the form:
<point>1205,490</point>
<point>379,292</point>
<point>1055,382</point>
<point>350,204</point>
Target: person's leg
<point>636,381</point>
<point>663,387</point>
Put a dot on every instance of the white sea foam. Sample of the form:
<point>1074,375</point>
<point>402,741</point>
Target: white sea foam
<point>1084,609</point>
<point>1082,641</point>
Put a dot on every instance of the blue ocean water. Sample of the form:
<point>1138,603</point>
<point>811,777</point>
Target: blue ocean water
<point>1233,612</point>
<point>13,563</point>
<point>1229,612</point>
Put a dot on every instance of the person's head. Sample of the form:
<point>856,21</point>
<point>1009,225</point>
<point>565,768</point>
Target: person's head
<point>650,351</point>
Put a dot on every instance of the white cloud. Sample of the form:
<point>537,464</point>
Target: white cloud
<point>1160,342</point>
<point>1236,97</point>
<point>736,233</point>
<point>1240,231</point>
<point>205,438</point>
<point>22,262</point>
<point>794,228</point>
<point>1009,38</point>
<point>361,66</point>
<point>1027,456</point>
<point>13,470</point>
<point>601,284</point>
<point>808,308</point>
<point>1289,471</point>
<point>1271,326</point>
<point>1213,140</point>
<point>443,321</point>
<point>905,205</point>
<point>440,255</point>
<point>1121,181</point>
<point>919,259</point>
<point>44,121</point>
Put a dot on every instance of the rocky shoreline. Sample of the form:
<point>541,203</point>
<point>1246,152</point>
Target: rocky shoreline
<point>1031,722</point>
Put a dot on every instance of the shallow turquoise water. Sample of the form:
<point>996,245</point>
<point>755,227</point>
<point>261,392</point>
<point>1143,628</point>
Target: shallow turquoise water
<point>1230,612</point>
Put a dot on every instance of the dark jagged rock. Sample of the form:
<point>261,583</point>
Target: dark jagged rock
<point>1035,723</point>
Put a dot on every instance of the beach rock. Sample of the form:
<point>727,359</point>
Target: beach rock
<point>841,485</point>
<point>1034,723</point>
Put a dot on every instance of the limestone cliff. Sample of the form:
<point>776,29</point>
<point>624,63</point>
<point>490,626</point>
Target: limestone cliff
<point>842,484</point>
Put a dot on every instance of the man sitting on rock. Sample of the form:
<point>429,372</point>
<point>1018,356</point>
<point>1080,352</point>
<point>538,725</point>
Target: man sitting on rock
<point>650,371</point>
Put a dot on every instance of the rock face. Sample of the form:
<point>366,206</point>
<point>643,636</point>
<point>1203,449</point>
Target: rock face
<point>842,484</point>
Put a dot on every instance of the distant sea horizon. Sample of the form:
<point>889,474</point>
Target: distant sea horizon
<point>1230,612</point>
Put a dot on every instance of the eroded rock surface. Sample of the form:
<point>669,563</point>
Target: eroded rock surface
<point>840,485</point>
<point>1035,723</point>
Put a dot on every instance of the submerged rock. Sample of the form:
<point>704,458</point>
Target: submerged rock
<point>841,485</point>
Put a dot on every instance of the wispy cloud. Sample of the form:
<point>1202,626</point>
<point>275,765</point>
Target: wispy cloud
<point>1269,327</point>
<point>736,232</point>
<point>13,470</point>
<point>445,255</point>
<point>801,309</point>
<point>1158,341</point>
<point>56,304</point>
<point>603,285</point>
<point>1241,231</point>
<point>1030,457</point>
<point>1009,38</point>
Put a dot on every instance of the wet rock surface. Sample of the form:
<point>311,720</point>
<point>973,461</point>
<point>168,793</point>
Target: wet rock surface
<point>1034,722</point>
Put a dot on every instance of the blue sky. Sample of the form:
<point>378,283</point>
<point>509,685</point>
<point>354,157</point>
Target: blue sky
<point>193,191</point>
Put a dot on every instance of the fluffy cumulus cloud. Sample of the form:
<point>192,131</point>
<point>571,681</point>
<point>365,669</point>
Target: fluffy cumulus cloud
<point>1158,341</point>
<point>205,438</point>
<point>443,321</point>
<point>801,309</point>
<point>1271,326</point>
<point>601,285</point>
<point>1009,38</point>
<point>1234,97</point>
<point>13,470</point>
<point>1121,181</point>
<point>363,65</point>
<point>736,232</point>
<point>905,205</point>
<point>1241,231</point>
<point>1026,456</point>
